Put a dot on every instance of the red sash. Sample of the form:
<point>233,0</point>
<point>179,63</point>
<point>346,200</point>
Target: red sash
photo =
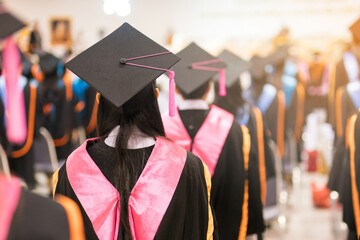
<point>149,198</point>
<point>210,138</point>
<point>9,197</point>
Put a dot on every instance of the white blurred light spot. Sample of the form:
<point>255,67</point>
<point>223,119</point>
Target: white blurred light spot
<point>343,226</point>
<point>283,197</point>
<point>305,137</point>
<point>334,195</point>
<point>296,175</point>
<point>120,7</point>
<point>282,221</point>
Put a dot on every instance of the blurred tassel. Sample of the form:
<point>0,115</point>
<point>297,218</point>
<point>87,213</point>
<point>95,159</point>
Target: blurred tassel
<point>15,107</point>
<point>171,94</point>
<point>222,84</point>
<point>37,73</point>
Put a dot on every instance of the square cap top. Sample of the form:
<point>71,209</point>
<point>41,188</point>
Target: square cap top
<point>355,30</point>
<point>9,24</point>
<point>235,66</point>
<point>279,55</point>
<point>188,78</point>
<point>48,63</point>
<point>122,64</point>
<point>258,63</point>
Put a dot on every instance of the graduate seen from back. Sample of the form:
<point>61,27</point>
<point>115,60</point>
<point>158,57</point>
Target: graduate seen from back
<point>131,182</point>
<point>25,215</point>
<point>212,134</point>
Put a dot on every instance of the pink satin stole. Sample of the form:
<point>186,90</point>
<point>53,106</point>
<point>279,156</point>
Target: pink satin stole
<point>149,198</point>
<point>210,138</point>
<point>175,130</point>
<point>155,188</point>
<point>9,197</point>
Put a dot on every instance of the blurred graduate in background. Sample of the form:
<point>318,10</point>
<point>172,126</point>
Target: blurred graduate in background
<point>25,215</point>
<point>213,134</point>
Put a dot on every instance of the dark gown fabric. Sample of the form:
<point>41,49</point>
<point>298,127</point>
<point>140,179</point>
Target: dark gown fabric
<point>60,120</point>
<point>3,139</point>
<point>294,121</point>
<point>228,180</point>
<point>256,222</point>
<point>86,106</point>
<point>38,218</point>
<point>340,79</point>
<point>90,111</point>
<point>347,193</point>
<point>269,157</point>
<point>271,115</point>
<point>187,214</point>
<point>23,166</point>
<point>247,111</point>
<point>338,168</point>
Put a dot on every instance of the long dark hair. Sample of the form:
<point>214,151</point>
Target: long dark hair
<point>233,99</point>
<point>198,93</point>
<point>142,112</point>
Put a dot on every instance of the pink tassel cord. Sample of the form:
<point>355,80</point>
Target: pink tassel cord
<point>171,75</point>
<point>171,94</point>
<point>222,83</point>
<point>15,107</point>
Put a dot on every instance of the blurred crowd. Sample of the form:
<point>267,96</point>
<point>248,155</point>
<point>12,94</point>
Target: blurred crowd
<point>271,92</point>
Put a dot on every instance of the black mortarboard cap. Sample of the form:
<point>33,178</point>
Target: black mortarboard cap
<point>106,65</point>
<point>188,78</point>
<point>48,63</point>
<point>258,63</point>
<point>235,66</point>
<point>355,30</point>
<point>279,55</point>
<point>8,23</point>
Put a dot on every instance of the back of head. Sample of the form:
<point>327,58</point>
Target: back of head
<point>233,99</point>
<point>141,111</point>
<point>199,93</point>
<point>258,73</point>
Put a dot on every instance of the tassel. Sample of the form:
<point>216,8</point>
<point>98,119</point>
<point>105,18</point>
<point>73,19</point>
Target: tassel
<point>37,73</point>
<point>222,84</point>
<point>16,129</point>
<point>171,94</point>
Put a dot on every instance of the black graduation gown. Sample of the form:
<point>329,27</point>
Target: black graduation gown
<point>294,121</point>
<point>36,217</point>
<point>274,117</point>
<point>338,166</point>
<point>89,120</point>
<point>21,160</point>
<point>186,216</point>
<point>229,175</point>
<point>3,139</point>
<point>351,182</point>
<point>256,221</point>
<point>294,114</point>
<point>61,120</point>
<point>269,157</point>
<point>345,109</point>
<point>339,80</point>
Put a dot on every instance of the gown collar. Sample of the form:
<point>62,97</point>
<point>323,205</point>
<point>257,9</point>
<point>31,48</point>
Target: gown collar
<point>137,139</point>
<point>192,104</point>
